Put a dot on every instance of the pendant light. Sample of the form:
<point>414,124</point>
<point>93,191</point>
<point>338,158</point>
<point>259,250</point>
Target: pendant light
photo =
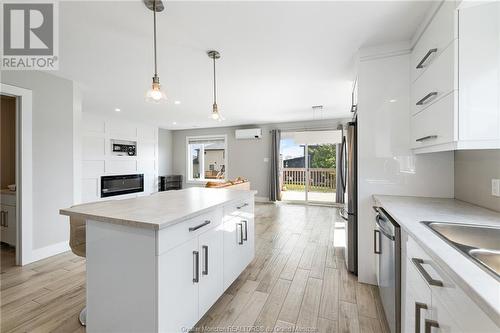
<point>155,94</point>
<point>216,115</point>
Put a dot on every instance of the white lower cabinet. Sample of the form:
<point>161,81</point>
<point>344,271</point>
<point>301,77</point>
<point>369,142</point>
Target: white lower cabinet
<point>433,302</point>
<point>210,248</point>
<point>194,274</point>
<point>238,247</point>
<point>177,292</point>
<point>195,269</point>
<point>8,224</point>
<point>418,303</point>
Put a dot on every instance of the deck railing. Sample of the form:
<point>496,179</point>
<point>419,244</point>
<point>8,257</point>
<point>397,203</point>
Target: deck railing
<point>323,179</point>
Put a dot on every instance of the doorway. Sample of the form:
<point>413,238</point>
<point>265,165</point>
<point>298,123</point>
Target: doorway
<point>22,200</point>
<point>8,175</point>
<point>308,166</point>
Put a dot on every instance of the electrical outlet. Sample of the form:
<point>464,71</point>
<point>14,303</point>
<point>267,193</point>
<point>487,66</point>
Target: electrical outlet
<point>495,187</point>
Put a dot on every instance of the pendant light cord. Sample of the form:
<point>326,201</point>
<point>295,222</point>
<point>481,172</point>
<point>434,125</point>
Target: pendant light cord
<point>215,86</point>
<point>154,35</point>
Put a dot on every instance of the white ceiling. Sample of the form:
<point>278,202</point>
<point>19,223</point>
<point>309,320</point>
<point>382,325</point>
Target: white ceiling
<point>278,58</point>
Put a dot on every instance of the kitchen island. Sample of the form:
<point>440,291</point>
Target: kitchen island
<point>158,263</point>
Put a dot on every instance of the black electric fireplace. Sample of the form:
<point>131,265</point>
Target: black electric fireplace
<point>121,184</point>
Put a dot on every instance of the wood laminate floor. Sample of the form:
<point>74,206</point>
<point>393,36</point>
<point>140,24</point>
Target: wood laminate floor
<point>296,283</point>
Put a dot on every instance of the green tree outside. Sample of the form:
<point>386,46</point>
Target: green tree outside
<point>322,156</point>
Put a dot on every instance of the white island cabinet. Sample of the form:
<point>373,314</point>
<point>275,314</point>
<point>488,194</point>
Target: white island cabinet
<point>158,263</point>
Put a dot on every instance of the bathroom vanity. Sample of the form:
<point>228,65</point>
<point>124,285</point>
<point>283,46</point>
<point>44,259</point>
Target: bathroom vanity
<point>158,263</point>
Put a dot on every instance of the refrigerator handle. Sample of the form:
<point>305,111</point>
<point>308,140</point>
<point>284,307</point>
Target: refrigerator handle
<point>342,163</point>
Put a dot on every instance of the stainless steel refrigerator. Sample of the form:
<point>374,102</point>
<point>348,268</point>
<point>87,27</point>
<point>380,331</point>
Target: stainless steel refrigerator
<point>349,153</point>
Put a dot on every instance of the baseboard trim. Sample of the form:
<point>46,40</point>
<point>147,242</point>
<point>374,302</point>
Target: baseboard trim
<point>49,251</point>
<point>261,199</point>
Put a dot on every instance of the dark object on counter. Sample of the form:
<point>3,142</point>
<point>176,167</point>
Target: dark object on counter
<point>171,182</point>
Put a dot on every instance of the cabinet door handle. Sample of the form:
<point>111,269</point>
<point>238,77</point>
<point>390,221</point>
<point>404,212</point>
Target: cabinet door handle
<point>240,207</point>
<point>196,267</point>
<point>240,241</point>
<point>428,137</point>
<point>2,218</point>
<point>429,324</point>
<point>199,226</point>
<point>426,97</point>
<point>418,263</point>
<point>245,237</point>
<point>424,59</point>
<point>6,219</point>
<point>205,255</point>
<point>418,308</point>
<point>375,233</point>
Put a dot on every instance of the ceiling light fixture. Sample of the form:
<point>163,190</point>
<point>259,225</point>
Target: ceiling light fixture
<point>155,94</point>
<point>117,110</point>
<point>215,109</point>
<point>177,102</point>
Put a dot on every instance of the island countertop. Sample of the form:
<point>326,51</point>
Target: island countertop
<point>159,210</point>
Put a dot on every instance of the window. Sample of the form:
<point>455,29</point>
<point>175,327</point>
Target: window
<point>206,158</point>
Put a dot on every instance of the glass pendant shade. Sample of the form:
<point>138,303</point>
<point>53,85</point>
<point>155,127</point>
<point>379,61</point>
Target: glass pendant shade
<point>155,94</point>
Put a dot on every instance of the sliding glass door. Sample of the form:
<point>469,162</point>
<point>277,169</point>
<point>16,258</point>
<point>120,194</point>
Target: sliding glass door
<point>308,166</point>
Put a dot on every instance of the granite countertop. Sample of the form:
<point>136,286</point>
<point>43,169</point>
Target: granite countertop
<point>482,287</point>
<point>158,210</point>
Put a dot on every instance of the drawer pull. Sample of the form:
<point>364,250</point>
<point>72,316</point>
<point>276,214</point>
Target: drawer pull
<point>245,237</point>
<point>418,263</point>
<point>205,255</point>
<point>6,218</point>
<point>418,308</point>
<point>196,267</point>
<point>424,59</point>
<point>240,240</point>
<point>375,233</point>
<point>429,324</point>
<point>240,207</point>
<point>426,97</point>
<point>428,137</point>
<point>199,226</point>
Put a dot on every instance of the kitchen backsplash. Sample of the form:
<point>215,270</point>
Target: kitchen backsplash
<point>474,170</point>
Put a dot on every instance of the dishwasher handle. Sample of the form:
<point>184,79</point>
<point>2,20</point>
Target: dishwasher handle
<point>383,230</point>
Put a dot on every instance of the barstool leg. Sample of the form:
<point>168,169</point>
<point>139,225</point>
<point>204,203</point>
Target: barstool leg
<point>83,317</point>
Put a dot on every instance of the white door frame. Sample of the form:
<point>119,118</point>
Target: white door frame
<point>24,171</point>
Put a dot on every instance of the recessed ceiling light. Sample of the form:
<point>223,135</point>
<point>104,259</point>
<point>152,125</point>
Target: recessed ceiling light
<point>174,123</point>
<point>393,100</point>
<point>117,109</point>
<point>177,102</point>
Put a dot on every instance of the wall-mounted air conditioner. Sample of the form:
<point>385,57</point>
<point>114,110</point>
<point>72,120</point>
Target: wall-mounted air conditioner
<point>250,133</point>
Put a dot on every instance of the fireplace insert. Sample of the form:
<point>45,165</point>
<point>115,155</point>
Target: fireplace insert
<point>121,184</point>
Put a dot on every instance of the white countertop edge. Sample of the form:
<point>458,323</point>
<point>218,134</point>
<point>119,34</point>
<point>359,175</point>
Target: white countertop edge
<point>475,282</point>
<point>155,226</point>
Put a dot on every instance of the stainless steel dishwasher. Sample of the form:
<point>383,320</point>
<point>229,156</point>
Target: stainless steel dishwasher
<point>387,246</point>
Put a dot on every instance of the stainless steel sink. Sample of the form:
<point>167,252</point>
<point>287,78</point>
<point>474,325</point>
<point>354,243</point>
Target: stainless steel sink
<point>477,242</point>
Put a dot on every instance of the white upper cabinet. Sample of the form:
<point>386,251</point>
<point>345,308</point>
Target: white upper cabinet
<point>456,79</point>
<point>479,74</point>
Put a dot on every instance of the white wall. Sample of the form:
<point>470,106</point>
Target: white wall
<point>165,152</point>
<point>246,158</point>
<point>98,160</point>
<point>386,164</point>
<point>56,104</point>
<point>474,170</point>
